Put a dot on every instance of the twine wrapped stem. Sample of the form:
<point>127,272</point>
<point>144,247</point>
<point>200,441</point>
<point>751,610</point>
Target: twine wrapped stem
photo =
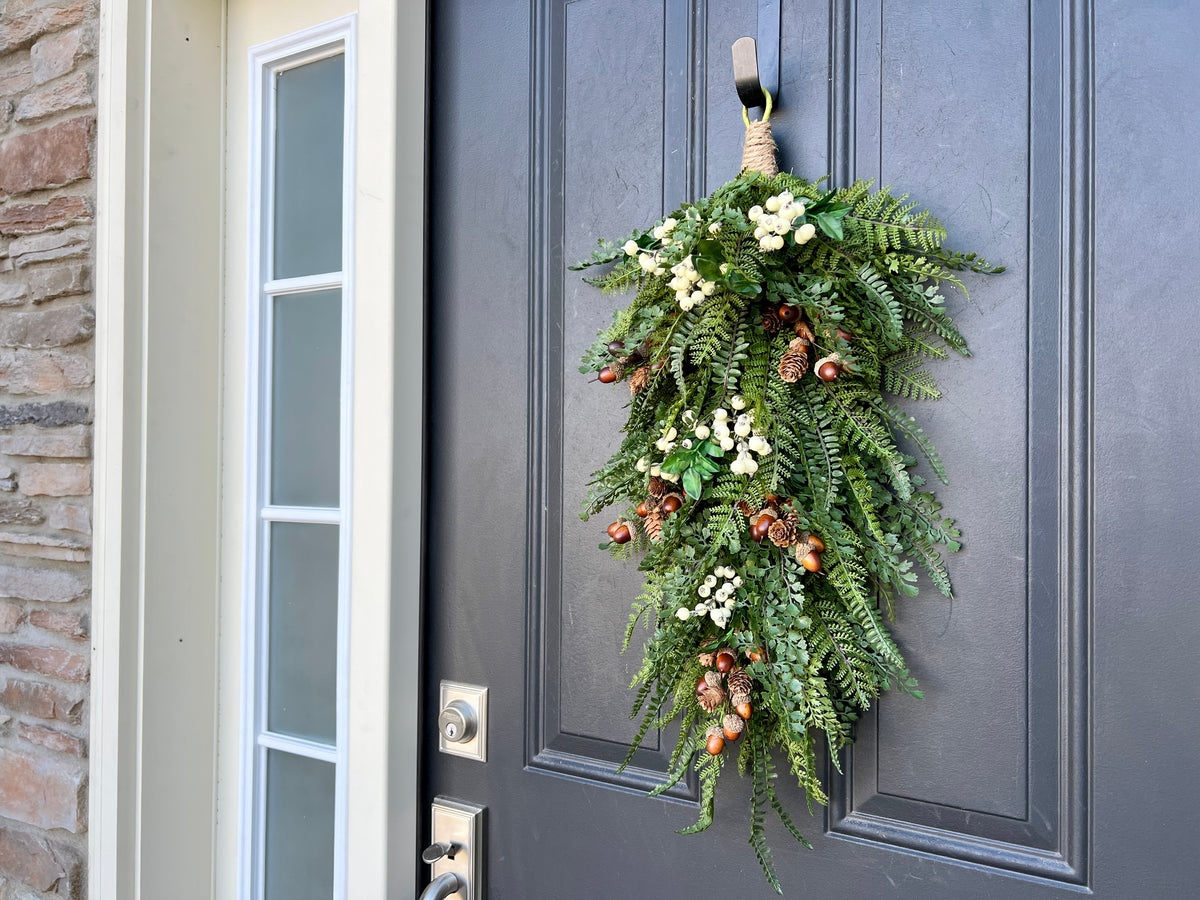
<point>758,154</point>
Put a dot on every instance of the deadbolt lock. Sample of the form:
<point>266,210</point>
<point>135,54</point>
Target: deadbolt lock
<point>458,722</point>
<point>462,720</point>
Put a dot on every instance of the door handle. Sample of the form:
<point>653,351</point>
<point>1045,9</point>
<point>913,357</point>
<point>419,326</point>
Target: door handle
<point>442,887</point>
<point>455,853</point>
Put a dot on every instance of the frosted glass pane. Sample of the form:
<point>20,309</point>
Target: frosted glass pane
<point>305,389</point>
<point>299,826</point>
<point>302,658</point>
<point>308,168</point>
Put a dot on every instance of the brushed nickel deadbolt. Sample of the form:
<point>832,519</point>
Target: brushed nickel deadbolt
<point>462,720</point>
<point>458,721</point>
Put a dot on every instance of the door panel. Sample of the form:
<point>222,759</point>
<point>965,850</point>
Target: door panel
<point>558,122</point>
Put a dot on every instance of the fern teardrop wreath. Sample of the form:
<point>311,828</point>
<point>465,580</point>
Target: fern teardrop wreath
<point>764,471</point>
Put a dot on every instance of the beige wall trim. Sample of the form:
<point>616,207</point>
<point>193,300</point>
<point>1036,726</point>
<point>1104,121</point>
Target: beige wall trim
<point>157,432</point>
<point>154,778</point>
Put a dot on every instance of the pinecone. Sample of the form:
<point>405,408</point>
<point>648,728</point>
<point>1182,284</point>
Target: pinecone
<point>707,660</point>
<point>738,681</point>
<point>733,724</point>
<point>783,532</point>
<point>747,509</point>
<point>713,679</point>
<point>771,322</point>
<point>658,487</point>
<point>802,330</point>
<point>795,361</point>
<point>653,523</point>
<point>710,698</point>
<point>639,380</point>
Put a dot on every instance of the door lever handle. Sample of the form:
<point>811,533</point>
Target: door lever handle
<point>456,853</point>
<point>437,850</point>
<point>443,886</point>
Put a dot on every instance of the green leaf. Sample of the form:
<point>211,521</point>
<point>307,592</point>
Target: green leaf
<point>831,225</point>
<point>692,483</point>
<point>740,284</point>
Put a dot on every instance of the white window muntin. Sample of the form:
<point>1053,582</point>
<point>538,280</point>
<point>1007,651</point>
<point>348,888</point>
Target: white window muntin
<point>266,62</point>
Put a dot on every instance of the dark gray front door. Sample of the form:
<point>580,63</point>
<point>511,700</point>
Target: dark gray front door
<point>1055,749</point>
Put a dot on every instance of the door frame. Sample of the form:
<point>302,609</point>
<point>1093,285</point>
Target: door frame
<point>155,789</point>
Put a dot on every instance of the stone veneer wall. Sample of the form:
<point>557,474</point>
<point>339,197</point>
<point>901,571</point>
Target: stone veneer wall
<point>47,197</point>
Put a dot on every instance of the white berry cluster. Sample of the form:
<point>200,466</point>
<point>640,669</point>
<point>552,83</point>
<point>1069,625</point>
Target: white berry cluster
<point>644,465</point>
<point>651,263</point>
<point>715,602</point>
<point>743,427</point>
<point>775,223</point>
<point>665,444</point>
<point>690,289</point>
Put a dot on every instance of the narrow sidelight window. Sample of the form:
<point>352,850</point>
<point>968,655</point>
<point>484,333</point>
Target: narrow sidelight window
<point>298,474</point>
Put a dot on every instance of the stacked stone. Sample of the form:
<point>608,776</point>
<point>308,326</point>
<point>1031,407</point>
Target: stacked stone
<point>47,148</point>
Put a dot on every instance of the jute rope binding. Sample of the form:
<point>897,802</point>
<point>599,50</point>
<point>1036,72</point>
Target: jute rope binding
<point>758,154</point>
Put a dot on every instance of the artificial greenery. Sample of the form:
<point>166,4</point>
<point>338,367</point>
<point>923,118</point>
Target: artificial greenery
<point>864,270</point>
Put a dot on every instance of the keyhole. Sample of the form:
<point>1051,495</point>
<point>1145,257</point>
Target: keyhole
<point>451,730</point>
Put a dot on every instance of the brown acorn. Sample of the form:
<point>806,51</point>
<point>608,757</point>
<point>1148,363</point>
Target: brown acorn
<point>818,544</point>
<point>787,313</point>
<point>616,348</point>
<point>702,683</point>
<point>844,334</point>
<point>762,525</point>
<point>725,662</point>
<point>756,654</point>
<point>671,503</point>
<point>607,375</point>
<point>643,510</point>
<point>733,726</point>
<point>812,561</point>
<point>623,534</point>
<point>803,331</point>
<point>829,371</point>
<point>828,368</point>
<point>612,529</point>
<point>744,710</point>
<point>716,743</point>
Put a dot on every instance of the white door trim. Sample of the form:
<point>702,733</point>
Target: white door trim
<point>158,172</point>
